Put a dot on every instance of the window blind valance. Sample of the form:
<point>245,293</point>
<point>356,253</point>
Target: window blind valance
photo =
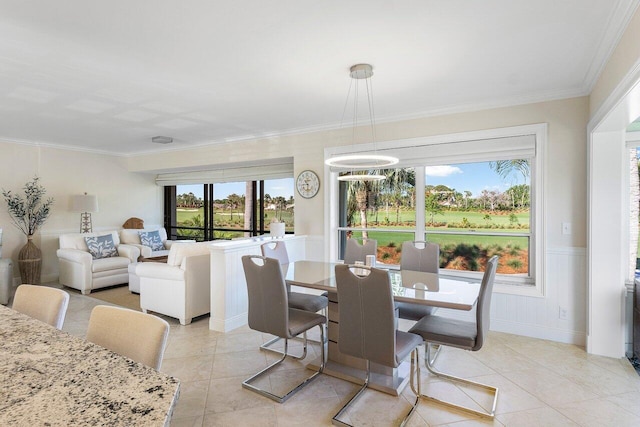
<point>236,173</point>
<point>449,152</point>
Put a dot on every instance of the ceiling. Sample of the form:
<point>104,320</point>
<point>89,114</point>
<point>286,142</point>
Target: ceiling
<point>108,76</point>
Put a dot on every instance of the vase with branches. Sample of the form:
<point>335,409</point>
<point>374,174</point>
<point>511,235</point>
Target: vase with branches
<point>28,214</point>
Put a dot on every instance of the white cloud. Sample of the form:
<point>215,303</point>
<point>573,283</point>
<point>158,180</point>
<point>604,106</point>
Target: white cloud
<point>441,171</point>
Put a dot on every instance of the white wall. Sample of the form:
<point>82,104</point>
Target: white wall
<point>121,194</point>
<point>614,103</point>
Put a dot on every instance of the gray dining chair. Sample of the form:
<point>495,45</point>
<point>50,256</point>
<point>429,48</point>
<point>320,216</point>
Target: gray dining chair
<point>462,334</point>
<point>367,328</point>
<point>418,256</point>
<point>358,252</point>
<point>139,336</point>
<point>297,300</point>
<point>269,312</point>
<point>43,303</point>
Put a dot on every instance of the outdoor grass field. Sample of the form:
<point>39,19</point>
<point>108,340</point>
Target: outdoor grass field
<point>223,219</point>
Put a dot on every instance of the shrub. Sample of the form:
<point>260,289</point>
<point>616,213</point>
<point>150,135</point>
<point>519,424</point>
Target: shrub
<point>514,263</point>
<point>386,255</point>
<point>391,245</point>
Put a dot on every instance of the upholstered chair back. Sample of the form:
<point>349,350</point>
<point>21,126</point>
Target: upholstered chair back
<point>132,236</point>
<point>367,323</point>
<point>267,292</point>
<point>179,251</point>
<point>484,301</point>
<point>420,256</point>
<point>76,240</point>
<point>358,252</point>
<point>46,304</point>
<point>138,336</point>
<point>277,250</point>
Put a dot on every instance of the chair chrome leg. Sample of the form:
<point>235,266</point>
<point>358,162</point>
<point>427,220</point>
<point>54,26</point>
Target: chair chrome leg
<point>415,369</point>
<point>281,399</point>
<point>335,421</point>
<point>492,390</point>
<point>267,346</point>
<point>433,358</point>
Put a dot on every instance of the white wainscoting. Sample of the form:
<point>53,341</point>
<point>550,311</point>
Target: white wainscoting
<point>539,317</point>
<point>229,303</point>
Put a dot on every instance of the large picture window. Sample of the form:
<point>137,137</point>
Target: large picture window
<point>476,198</point>
<point>228,210</point>
<point>473,211</point>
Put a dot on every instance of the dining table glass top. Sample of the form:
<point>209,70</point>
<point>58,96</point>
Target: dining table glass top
<point>408,286</point>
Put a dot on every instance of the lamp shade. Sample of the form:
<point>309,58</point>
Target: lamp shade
<point>84,203</point>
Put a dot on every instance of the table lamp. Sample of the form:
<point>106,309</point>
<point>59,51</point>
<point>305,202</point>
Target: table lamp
<point>85,204</point>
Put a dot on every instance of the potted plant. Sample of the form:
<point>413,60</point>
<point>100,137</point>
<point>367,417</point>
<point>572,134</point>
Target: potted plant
<point>28,215</point>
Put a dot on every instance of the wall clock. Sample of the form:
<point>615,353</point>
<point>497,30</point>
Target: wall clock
<point>308,184</point>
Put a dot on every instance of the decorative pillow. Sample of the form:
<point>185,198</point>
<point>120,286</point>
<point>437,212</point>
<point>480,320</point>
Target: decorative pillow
<point>151,239</point>
<point>101,246</point>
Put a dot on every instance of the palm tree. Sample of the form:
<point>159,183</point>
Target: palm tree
<point>504,168</point>
<point>397,184</point>
<point>358,194</point>
<point>467,195</point>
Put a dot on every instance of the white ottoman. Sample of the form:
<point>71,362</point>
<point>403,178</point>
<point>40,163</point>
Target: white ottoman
<point>6,281</point>
<point>134,280</point>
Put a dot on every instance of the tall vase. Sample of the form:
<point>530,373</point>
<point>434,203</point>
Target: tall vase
<point>30,263</point>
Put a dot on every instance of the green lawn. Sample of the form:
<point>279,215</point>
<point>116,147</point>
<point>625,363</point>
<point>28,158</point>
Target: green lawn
<point>223,219</point>
<point>477,218</point>
<point>385,238</point>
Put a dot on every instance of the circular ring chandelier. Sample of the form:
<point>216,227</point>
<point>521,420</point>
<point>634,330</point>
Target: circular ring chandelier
<point>361,161</point>
<point>364,160</point>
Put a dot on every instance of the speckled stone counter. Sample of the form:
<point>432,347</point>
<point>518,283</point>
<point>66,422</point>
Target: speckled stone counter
<point>50,378</point>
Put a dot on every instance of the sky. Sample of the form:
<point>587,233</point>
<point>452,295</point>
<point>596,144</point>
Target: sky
<point>473,177</point>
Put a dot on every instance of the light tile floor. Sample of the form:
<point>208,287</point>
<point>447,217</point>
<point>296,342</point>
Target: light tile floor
<point>542,383</point>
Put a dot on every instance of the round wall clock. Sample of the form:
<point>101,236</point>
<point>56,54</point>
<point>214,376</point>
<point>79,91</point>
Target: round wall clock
<point>308,184</point>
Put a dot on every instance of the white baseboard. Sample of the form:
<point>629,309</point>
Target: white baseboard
<point>221,325</point>
<point>541,332</point>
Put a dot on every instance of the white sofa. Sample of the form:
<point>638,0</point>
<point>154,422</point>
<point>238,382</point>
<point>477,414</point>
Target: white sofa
<point>132,237</point>
<point>181,287</point>
<point>79,270</point>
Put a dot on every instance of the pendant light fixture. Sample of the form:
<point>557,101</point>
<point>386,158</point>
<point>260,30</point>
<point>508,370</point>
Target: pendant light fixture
<point>361,73</point>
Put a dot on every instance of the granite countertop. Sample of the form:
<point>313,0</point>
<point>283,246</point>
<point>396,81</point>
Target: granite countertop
<point>51,378</point>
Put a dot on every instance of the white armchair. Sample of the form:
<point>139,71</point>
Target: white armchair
<point>79,269</point>
<point>181,287</point>
<point>132,237</point>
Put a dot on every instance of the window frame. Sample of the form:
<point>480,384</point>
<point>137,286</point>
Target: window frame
<point>536,286</point>
<point>258,221</point>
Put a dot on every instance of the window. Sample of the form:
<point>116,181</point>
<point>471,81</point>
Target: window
<point>228,210</point>
<point>476,195</point>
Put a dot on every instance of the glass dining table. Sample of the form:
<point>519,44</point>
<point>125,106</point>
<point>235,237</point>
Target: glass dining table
<point>407,286</point>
